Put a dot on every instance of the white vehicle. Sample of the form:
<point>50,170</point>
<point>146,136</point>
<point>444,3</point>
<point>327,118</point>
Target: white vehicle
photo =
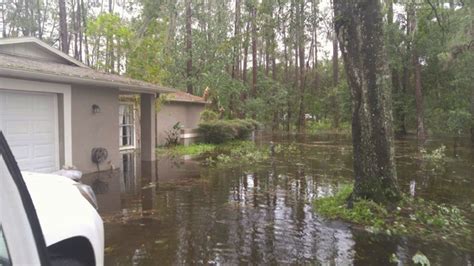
<point>46,219</point>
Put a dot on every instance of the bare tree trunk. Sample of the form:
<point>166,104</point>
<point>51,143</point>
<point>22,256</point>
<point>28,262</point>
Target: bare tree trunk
<point>254,51</point>
<point>80,29</point>
<point>75,28</point>
<point>315,45</point>
<point>38,19</point>
<point>286,74</point>
<point>236,66</point>
<point>396,83</point>
<point>63,33</point>
<point>471,7</point>
<point>335,76</point>
<point>246,52</point>
<point>420,125</point>
<point>243,94</point>
<point>301,53</point>
<point>189,47</point>
<point>4,24</point>
<point>360,32</point>
<point>335,62</point>
<point>84,25</point>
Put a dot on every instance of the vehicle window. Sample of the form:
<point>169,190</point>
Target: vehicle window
<point>4,255</point>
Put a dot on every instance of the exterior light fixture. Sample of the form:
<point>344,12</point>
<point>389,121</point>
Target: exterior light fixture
<point>95,109</point>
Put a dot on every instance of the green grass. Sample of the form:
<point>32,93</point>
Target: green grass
<point>235,149</point>
<point>413,217</point>
<point>237,152</point>
<point>326,126</point>
<point>364,212</point>
<point>193,149</point>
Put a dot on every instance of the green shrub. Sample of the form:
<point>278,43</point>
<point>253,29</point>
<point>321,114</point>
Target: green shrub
<point>224,130</point>
<point>216,131</point>
<point>209,115</point>
<point>243,128</point>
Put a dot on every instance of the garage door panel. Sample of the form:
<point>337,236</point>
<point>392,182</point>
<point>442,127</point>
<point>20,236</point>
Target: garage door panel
<point>42,127</point>
<point>18,103</point>
<point>43,151</point>
<point>21,152</point>
<point>17,127</point>
<point>29,121</point>
<point>42,103</point>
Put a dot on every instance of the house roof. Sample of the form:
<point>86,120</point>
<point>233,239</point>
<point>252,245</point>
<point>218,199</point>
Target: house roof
<point>44,46</point>
<point>181,96</point>
<point>74,73</point>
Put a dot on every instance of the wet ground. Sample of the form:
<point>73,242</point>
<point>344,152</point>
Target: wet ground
<point>176,211</point>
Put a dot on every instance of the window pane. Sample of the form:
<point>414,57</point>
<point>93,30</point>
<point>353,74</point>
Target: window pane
<point>127,129</point>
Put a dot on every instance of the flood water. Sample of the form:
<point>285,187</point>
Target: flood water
<point>176,211</point>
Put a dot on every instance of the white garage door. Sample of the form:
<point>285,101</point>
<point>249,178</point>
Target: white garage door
<point>30,124</point>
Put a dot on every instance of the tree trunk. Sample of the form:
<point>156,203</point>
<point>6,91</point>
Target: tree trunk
<point>39,19</point>
<point>254,51</point>
<point>360,32</point>
<point>246,52</point>
<point>335,77</point>
<point>84,25</point>
<point>420,124</point>
<point>335,62</point>
<point>315,47</point>
<point>236,66</point>
<point>189,47</point>
<point>63,37</point>
<point>80,28</point>
<point>301,53</point>
<point>398,112</point>
<point>471,7</point>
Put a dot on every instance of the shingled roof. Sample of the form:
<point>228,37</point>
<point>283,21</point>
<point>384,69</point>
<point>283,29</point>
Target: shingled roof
<point>37,69</point>
<point>181,96</point>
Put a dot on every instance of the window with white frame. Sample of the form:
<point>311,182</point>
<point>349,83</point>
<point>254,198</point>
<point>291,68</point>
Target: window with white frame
<point>127,126</point>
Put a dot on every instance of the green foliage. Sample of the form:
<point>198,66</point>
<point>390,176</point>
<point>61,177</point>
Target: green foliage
<point>421,259</point>
<point>237,152</point>
<point>220,131</point>
<point>209,115</point>
<point>217,131</point>
<point>172,135</point>
<point>325,125</point>
<point>458,121</point>
<point>363,212</point>
<point>394,259</point>
<point>193,149</point>
<point>149,44</point>
<point>427,219</point>
<point>111,38</point>
<point>437,155</point>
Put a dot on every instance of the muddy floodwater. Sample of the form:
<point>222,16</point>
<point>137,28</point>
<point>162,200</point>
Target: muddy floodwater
<point>177,211</point>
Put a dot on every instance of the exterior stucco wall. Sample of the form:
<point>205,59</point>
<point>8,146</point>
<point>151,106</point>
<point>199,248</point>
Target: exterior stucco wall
<point>188,114</point>
<point>193,112</point>
<point>94,130</point>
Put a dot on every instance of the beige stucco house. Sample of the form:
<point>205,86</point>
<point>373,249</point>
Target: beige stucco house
<point>179,107</point>
<point>54,110</point>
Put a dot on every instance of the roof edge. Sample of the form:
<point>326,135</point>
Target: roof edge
<point>34,75</point>
<point>42,44</point>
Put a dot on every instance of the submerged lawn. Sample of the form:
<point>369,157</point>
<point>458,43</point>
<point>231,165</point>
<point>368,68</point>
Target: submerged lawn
<point>413,217</point>
<point>193,149</point>
<point>225,154</point>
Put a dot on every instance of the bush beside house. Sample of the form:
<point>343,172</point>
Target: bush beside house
<point>220,131</point>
